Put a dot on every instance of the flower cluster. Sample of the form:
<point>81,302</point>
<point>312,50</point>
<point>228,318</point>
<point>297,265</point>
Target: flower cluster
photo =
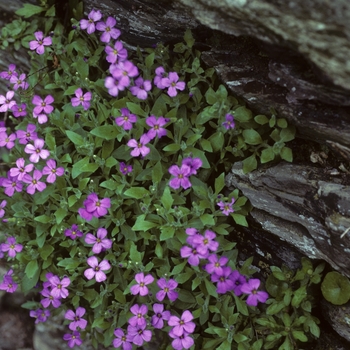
<point>188,167</point>
<point>106,212</point>
<point>94,207</point>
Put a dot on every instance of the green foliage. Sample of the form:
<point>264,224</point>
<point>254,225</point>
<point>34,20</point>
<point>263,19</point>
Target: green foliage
<point>147,218</point>
<point>336,288</point>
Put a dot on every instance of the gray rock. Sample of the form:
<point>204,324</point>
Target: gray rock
<point>299,205</point>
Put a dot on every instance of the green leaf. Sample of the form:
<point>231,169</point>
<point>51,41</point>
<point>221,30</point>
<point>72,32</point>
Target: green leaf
<point>31,268</point>
<point>299,335</point>
<point>173,147</point>
<point>336,288</point>
<point>252,137</point>
<point>82,68</point>
<point>188,37</point>
<point>282,123</point>
<point>135,255</point>
<point>29,10</point>
<point>167,199</point>
<point>77,167</point>
<point>207,219</point>
<point>60,214</point>
<point>267,155</point>
<point>75,138</point>
<point>69,263</point>
<point>286,154</point>
<point>242,114</point>
<point>240,219</point>
<point>136,109</point>
<point>219,183</point>
<point>250,164</point>
<point>241,306</point>
<point>211,289</point>
<point>149,60</point>
<point>217,141</point>
<point>46,251</point>
<point>167,232</point>
<point>287,134</point>
<point>106,132</point>
<point>143,225</point>
<point>43,218</point>
<point>136,192</point>
<point>261,119</point>
<point>210,96</point>
<point>299,295</point>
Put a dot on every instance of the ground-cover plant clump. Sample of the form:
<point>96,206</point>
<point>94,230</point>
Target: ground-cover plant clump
<point>113,204</point>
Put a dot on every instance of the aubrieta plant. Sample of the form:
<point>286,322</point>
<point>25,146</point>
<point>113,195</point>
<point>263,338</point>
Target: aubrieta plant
<point>114,209</point>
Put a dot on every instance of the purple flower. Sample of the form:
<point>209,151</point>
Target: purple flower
<point>182,324</point>
<point>251,288</point>
<point>42,118</point>
<point>141,87</point>
<point>108,30</point>
<point>139,147</point>
<point>114,85</point>
<point>73,339</point>
<point>19,82</point>
<point>77,319</point>
<point>192,254</point>
<point>238,280</point>
<point>49,299</point>
<point>9,73</point>
<point>25,136</point>
<point>42,105</point>
<point>126,119</point>
<point>139,312</point>
<point>36,152</point>
<point>73,232</point>
<point>11,185</point>
<point>34,183</point>
<point>142,281</point>
<point>100,242</point>
<point>40,42</point>
<point>125,169</point>
<point>225,207</point>
<point>167,288</point>
<point>193,163</point>
<point>183,341</point>
<point>96,269</point>
<point>52,171</point>
<point>81,99</point>
<point>8,141</point>
<point>2,206</point>
<point>156,125</point>
<point>94,207</point>
<point>215,264</point>
<point>159,316</point>
<point>224,282</point>
<point>181,177</point>
<point>11,247</point>
<point>40,315</point>
<point>89,23</point>
<point>19,111</point>
<point>59,289</point>
<point>122,340</point>
<point>118,53</point>
<point>205,243</point>
<point>173,84</point>
<point>6,101</point>
<point>191,233</point>
<point>123,71</point>
<point>139,334</point>
<point>160,75</point>
<point>229,122</point>
<point>7,284</point>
